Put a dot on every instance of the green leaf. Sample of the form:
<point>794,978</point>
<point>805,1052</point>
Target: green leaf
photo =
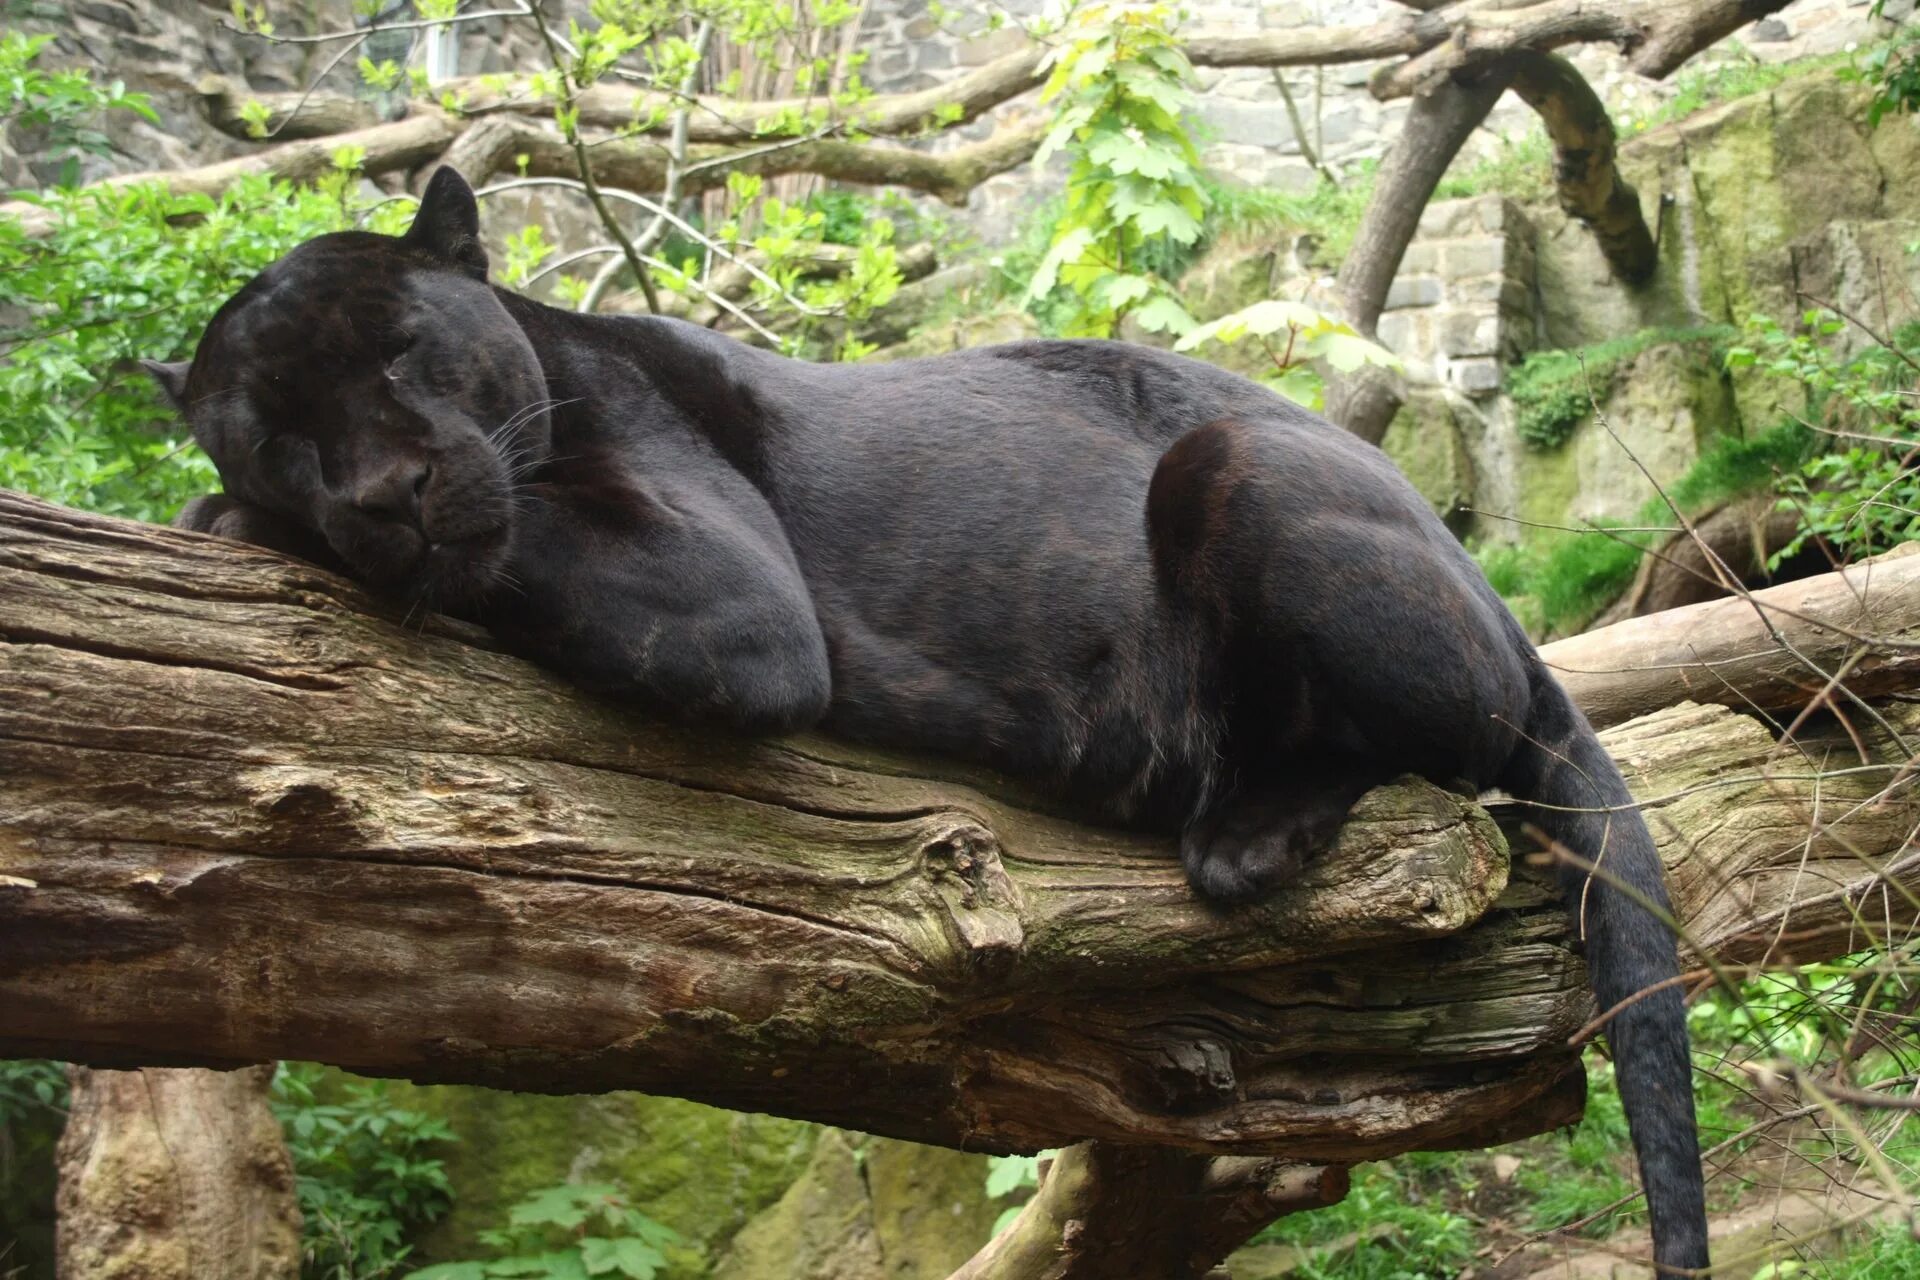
<point>1070,247</point>
<point>1164,315</point>
<point>625,1256</point>
<point>1301,384</point>
<point>1346,350</point>
<point>566,1206</point>
<point>1124,290</point>
<point>1007,1174</point>
<point>449,1271</point>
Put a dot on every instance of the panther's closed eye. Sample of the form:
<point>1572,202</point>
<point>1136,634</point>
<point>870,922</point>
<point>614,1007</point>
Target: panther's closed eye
<point>392,344</point>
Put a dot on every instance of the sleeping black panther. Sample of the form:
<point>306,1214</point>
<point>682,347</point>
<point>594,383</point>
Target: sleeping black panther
<point>1146,583</point>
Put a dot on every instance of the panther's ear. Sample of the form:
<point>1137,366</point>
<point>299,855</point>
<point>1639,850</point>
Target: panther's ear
<point>448,222</point>
<point>172,377</point>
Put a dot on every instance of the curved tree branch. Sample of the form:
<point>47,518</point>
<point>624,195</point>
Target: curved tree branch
<point>1585,175</point>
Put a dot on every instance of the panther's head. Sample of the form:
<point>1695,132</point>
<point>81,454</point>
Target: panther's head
<point>374,390</point>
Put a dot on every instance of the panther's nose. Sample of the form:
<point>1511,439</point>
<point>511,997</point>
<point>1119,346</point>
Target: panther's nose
<point>395,494</point>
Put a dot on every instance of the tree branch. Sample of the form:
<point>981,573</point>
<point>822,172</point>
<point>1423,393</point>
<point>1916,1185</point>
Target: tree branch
<point>1585,176</point>
<point>1438,124</point>
<point>1105,1210</point>
<point>1656,35</point>
<point>247,816</point>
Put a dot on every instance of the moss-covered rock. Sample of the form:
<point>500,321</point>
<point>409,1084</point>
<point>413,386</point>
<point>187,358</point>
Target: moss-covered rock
<point>820,1229</point>
<point>868,1209</point>
<point>1660,408</point>
<point>929,1206</point>
<point>700,1170</point>
<point>1428,444</point>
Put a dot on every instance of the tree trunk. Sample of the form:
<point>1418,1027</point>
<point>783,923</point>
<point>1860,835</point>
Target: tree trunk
<point>175,1175</point>
<point>1438,125</point>
<point>248,816</point>
<point>1105,1211</point>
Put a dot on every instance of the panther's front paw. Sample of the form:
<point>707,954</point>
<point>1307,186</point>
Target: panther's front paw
<point>1246,850</point>
<point>229,518</point>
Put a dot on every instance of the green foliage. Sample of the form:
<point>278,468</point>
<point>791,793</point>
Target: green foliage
<point>30,1086</point>
<point>126,273</point>
<point>1863,496</point>
<point>1401,1221</point>
<point>568,1232</point>
<point>1581,1169</point>
<point>1552,391</point>
<point>1119,80</point>
<point>1296,339</point>
<point>1892,69</point>
<point>1328,211</point>
<point>1015,1178</point>
<point>65,105</point>
<point>364,1169</point>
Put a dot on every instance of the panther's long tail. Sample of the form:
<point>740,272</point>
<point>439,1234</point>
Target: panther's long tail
<point>1560,763</point>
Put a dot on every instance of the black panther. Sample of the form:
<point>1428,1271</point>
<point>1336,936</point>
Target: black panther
<point>1148,584</point>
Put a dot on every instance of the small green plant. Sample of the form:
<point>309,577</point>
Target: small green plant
<point>1297,339</point>
<point>29,1086</point>
<point>1398,1222</point>
<point>568,1232</point>
<point>1892,69</point>
<point>1013,1178</point>
<point>1119,82</point>
<point>67,106</point>
<point>1862,496</point>
<point>1553,391</point>
<point>364,1169</point>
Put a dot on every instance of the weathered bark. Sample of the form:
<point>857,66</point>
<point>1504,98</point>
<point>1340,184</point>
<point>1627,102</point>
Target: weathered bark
<point>1723,652</point>
<point>1105,1211</point>
<point>175,1175</point>
<point>1586,178</point>
<point>247,816</point>
<point>1437,126</point>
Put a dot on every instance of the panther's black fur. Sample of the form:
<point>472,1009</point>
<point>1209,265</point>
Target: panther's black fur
<point>1140,580</point>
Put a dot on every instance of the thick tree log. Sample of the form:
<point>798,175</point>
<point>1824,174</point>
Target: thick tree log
<point>244,814</point>
<point>289,115</point>
<point>1585,177</point>
<point>1726,651</point>
<point>175,1175</point>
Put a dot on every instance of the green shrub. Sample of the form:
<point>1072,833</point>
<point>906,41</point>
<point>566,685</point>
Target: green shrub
<point>364,1171</point>
<point>568,1232</point>
<point>1552,391</point>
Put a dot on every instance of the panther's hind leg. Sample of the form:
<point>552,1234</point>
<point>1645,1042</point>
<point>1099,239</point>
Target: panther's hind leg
<point>1259,838</point>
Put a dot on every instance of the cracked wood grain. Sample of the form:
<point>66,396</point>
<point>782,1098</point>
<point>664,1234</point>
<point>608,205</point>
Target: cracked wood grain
<point>246,814</point>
